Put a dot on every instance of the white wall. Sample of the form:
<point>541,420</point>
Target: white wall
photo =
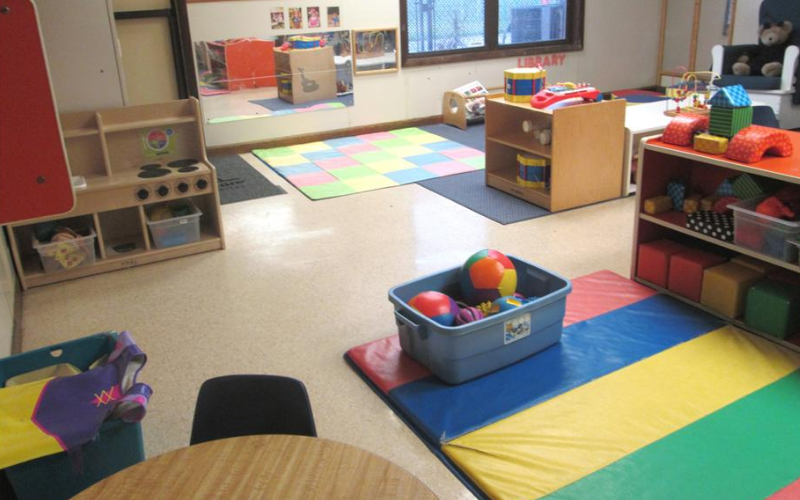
<point>8,288</point>
<point>620,50</point>
<point>745,29</point>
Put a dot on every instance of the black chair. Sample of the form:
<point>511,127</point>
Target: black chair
<point>764,116</point>
<point>246,405</point>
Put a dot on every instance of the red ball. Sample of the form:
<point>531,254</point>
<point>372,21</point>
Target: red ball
<point>436,306</point>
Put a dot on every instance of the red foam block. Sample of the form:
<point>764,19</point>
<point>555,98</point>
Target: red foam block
<point>751,143</point>
<point>686,272</point>
<point>680,131</point>
<point>654,257</point>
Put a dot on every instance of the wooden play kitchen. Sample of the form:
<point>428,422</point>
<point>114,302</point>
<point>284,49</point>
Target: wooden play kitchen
<point>586,152</point>
<point>150,194</point>
<point>751,277</point>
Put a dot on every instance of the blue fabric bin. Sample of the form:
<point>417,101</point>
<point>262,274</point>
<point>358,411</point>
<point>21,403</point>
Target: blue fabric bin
<point>118,445</point>
<point>460,353</point>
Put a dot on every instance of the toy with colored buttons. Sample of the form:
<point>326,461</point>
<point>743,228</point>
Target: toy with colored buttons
<point>504,304</point>
<point>436,306</point>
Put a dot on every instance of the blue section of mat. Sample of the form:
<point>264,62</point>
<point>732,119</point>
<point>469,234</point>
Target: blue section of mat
<point>278,104</point>
<point>587,351</point>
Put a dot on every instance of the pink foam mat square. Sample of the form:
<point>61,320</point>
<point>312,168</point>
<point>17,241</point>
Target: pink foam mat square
<point>312,179</point>
<point>459,153</point>
<point>357,148</point>
<point>334,163</point>
<point>377,136</point>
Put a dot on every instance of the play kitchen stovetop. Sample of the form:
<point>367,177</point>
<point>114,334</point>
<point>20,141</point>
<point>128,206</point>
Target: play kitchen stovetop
<point>158,177</point>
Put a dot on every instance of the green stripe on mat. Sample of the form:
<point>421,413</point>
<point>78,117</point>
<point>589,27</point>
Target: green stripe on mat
<point>745,451</point>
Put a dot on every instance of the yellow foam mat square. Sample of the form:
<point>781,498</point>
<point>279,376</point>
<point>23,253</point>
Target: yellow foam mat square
<point>311,147</point>
<point>385,166</point>
<point>369,182</point>
<point>286,160</point>
<point>541,449</point>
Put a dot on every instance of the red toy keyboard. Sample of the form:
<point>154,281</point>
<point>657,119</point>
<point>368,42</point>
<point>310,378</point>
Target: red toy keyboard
<point>562,91</point>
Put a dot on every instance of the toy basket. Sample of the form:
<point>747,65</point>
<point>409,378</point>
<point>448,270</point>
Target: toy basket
<point>460,353</point>
<point>118,445</point>
<point>763,233</point>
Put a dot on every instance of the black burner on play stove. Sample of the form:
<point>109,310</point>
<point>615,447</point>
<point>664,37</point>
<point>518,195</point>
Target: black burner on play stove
<point>184,170</point>
<point>151,174</point>
<point>151,166</point>
<point>182,163</point>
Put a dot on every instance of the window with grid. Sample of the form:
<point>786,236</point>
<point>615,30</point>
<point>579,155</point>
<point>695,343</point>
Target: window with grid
<point>440,31</point>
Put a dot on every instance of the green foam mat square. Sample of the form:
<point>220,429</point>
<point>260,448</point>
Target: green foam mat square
<point>352,172</point>
<point>330,190</point>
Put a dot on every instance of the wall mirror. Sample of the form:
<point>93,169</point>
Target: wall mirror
<point>257,77</point>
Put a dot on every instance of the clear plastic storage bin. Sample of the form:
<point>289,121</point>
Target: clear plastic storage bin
<point>763,233</point>
<point>457,354</point>
<point>177,230</point>
<point>796,244</point>
<point>68,254</point>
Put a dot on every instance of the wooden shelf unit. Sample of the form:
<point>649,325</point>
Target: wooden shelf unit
<point>661,163</point>
<point>106,148</point>
<point>586,151</point>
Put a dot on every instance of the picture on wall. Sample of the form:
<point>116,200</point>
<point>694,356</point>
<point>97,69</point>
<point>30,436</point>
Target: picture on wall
<point>296,18</point>
<point>313,17</point>
<point>334,20</point>
<point>375,51</point>
<point>277,19</point>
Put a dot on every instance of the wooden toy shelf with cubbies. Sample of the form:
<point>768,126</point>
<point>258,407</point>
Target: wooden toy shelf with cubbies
<point>136,161</point>
<point>585,153</point>
<point>662,163</point>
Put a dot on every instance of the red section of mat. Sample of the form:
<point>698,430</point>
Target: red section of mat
<point>791,492</point>
<point>599,293</point>
<point>384,362</point>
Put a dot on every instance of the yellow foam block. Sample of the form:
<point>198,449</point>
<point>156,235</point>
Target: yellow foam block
<point>708,143</point>
<point>725,288</point>
<point>658,204</point>
<point>544,448</point>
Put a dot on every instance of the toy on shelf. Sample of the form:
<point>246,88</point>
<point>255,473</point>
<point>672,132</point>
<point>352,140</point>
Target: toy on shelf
<point>682,129</point>
<point>722,205</point>
<point>486,276</point>
<point>654,259</point>
<point>504,304</point>
<point>773,207</point>
<point>302,42</point>
<point>466,104</point>
<point>767,57</point>
<point>534,171</point>
<point>753,142</point>
<point>686,272</point>
<point>436,306</point>
<point>731,111</point>
<point>521,84</point>
<point>677,191</point>
<point>747,186</point>
<point>713,224</point>
<point>725,288</point>
<point>563,91</point>
<point>707,143</point>
<point>658,204</point>
<point>773,307</point>
<point>707,203</point>
<point>692,203</point>
<point>694,85</point>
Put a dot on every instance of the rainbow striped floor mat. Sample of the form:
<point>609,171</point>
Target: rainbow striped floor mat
<point>348,165</point>
<point>644,398</point>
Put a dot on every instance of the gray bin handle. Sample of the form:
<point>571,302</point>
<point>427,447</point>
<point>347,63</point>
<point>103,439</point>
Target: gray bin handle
<point>418,330</point>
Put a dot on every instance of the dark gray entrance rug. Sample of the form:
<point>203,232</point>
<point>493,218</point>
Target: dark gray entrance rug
<point>470,190</point>
<point>238,181</point>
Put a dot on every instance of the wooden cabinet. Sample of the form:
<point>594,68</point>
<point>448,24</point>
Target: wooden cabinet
<point>586,152</point>
<point>132,159</point>
<point>242,63</point>
<point>661,163</point>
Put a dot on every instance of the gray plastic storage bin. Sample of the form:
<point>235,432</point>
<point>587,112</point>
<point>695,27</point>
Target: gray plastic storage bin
<point>457,354</point>
<point>177,230</point>
<point>762,233</point>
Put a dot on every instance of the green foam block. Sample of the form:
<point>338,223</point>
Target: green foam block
<point>774,308</point>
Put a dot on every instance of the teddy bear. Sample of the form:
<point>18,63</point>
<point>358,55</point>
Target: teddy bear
<point>767,59</point>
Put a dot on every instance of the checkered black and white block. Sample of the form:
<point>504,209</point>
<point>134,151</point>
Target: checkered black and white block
<point>719,226</point>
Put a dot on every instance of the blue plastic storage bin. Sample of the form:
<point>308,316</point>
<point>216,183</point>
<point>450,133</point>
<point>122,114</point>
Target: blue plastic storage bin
<point>460,353</point>
<point>118,445</point>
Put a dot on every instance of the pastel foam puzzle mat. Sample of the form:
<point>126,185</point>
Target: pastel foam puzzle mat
<point>348,165</point>
<point>645,397</point>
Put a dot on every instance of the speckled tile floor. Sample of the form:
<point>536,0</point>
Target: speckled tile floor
<point>299,284</point>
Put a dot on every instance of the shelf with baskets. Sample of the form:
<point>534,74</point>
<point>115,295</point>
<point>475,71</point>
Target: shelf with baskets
<point>585,154</point>
<point>112,225</point>
<point>758,260</point>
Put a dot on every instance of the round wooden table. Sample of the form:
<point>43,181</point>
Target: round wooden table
<point>262,467</point>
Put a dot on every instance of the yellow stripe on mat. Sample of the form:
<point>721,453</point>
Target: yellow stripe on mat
<point>544,448</point>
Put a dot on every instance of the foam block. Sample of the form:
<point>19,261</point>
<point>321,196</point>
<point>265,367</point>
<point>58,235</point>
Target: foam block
<point>725,288</point>
<point>654,258</point>
<point>686,272</point>
<point>773,307</point>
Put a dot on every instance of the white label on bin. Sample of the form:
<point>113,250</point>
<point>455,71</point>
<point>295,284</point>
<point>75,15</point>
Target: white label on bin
<point>183,221</point>
<point>517,328</point>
